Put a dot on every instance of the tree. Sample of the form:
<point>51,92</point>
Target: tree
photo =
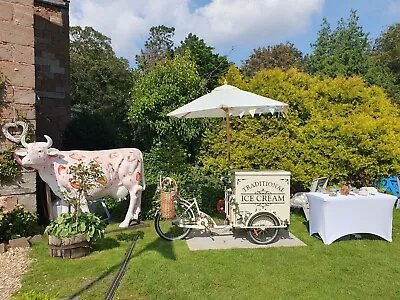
<point>158,47</point>
<point>284,56</point>
<point>386,55</point>
<point>209,65</point>
<point>337,127</point>
<point>100,81</point>
<point>341,52</point>
<point>164,88</point>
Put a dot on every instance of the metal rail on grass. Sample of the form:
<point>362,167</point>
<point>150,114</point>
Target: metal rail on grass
<point>114,285</point>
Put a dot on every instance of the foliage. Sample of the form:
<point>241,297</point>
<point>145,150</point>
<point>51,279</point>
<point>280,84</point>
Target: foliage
<point>84,178</point>
<point>90,131</point>
<point>210,66</point>
<point>2,80</point>
<point>341,52</point>
<point>70,224</point>
<point>284,56</point>
<point>171,160</point>
<point>387,45</point>
<point>335,127</point>
<point>386,53</point>
<point>380,74</point>
<point>158,48</point>
<point>8,165</point>
<point>158,92</point>
<point>100,82</point>
<point>17,223</point>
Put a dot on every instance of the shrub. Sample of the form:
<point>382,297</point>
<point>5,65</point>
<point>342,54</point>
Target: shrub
<point>68,225</point>
<point>17,223</point>
<point>339,128</point>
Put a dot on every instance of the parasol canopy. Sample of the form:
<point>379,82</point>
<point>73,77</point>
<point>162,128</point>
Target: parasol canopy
<point>226,101</point>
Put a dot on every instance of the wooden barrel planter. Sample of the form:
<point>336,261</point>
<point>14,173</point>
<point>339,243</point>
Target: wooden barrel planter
<point>72,247</point>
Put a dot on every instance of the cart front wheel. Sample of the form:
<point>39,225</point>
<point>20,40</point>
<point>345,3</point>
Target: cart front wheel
<point>263,235</point>
<point>168,229</point>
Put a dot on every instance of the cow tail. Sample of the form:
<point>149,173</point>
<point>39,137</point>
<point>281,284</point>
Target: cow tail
<point>142,171</point>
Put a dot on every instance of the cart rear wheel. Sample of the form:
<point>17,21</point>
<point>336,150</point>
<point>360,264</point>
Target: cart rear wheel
<point>263,235</point>
<point>168,229</point>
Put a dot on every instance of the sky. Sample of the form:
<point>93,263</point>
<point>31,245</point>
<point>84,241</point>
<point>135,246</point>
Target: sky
<point>232,27</point>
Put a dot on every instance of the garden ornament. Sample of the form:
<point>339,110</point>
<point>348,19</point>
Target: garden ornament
<point>14,125</point>
<point>123,170</point>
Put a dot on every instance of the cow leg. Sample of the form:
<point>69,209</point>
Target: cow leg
<point>134,205</point>
<point>138,204</point>
<point>84,206</point>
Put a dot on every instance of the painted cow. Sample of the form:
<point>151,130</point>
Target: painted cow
<point>123,170</point>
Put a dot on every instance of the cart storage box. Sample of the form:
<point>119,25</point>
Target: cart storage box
<point>264,190</point>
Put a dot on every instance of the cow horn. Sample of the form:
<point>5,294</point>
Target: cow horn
<point>49,141</point>
<point>23,142</point>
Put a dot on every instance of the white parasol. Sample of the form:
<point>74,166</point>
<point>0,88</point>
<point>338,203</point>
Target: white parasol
<point>226,101</point>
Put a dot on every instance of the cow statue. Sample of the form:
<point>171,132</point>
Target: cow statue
<point>123,170</point>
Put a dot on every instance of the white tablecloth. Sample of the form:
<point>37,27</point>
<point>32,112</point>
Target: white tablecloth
<point>337,216</point>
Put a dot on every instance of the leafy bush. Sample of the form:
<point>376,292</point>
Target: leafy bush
<point>68,225</point>
<point>339,128</point>
<point>8,165</point>
<point>17,223</point>
<point>84,178</point>
<point>172,161</point>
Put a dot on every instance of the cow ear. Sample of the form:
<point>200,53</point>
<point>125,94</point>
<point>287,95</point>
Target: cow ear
<point>52,151</point>
<point>21,152</point>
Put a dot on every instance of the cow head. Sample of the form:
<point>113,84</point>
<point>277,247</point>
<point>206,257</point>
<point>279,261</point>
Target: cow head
<point>36,154</point>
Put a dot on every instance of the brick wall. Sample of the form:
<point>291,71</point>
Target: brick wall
<point>52,69</point>
<point>34,57</point>
<point>18,97</point>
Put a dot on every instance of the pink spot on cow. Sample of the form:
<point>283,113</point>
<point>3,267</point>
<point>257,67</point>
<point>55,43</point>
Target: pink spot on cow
<point>98,160</point>
<point>131,158</point>
<point>62,170</point>
<point>114,155</point>
<point>77,156</point>
<point>137,176</point>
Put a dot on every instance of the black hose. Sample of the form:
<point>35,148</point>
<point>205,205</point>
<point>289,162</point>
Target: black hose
<point>114,285</point>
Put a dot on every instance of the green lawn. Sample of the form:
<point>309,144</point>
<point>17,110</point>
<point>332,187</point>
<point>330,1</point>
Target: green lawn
<point>348,269</point>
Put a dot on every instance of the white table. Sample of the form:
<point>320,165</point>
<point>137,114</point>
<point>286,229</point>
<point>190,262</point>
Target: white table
<point>335,216</point>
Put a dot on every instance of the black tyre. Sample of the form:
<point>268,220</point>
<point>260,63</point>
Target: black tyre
<point>169,230</point>
<point>264,235</point>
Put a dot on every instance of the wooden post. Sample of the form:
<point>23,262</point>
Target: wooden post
<point>48,203</point>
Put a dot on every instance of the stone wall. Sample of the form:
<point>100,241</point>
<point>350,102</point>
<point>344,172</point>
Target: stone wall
<point>52,69</point>
<point>18,96</point>
<point>34,57</point>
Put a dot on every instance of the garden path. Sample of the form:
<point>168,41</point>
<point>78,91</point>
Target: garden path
<point>13,265</point>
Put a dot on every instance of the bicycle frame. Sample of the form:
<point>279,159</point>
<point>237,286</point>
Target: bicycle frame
<point>201,218</point>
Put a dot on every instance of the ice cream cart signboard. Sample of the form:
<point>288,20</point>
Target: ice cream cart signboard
<point>257,191</point>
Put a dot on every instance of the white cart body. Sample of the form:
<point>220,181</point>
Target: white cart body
<point>259,191</point>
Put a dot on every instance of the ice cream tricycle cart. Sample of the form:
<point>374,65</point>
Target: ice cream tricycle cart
<point>257,201</point>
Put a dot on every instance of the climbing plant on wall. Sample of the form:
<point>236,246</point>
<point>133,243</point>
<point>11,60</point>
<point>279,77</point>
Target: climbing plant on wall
<point>2,82</point>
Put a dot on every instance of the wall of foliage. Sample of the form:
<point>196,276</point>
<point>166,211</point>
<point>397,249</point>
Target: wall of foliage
<point>338,127</point>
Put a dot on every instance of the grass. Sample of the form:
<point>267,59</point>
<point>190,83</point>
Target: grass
<point>348,269</point>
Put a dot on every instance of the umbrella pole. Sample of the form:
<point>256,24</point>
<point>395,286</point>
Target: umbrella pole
<point>228,136</point>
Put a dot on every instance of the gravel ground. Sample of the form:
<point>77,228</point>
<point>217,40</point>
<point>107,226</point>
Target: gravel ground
<point>13,264</point>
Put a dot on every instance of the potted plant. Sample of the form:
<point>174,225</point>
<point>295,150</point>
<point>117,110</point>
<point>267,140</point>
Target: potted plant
<point>71,234</point>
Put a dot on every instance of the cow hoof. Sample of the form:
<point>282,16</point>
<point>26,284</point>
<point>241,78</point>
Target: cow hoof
<point>124,224</point>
